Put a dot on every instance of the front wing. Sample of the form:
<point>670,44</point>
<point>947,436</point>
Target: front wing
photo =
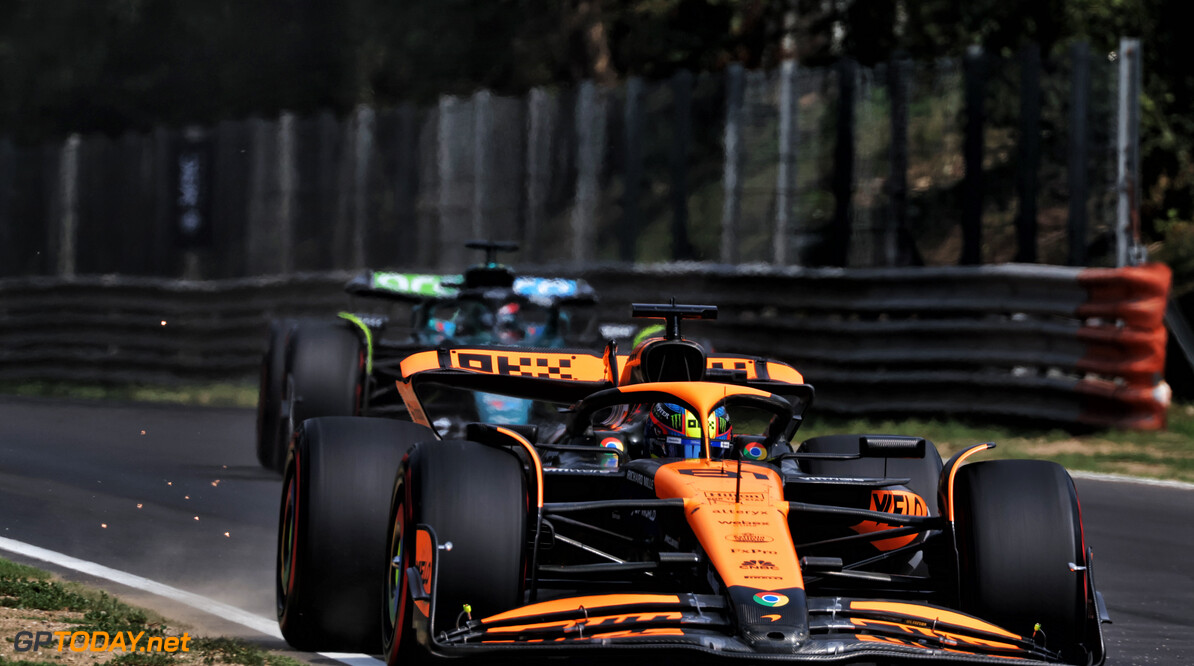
<point>837,629</point>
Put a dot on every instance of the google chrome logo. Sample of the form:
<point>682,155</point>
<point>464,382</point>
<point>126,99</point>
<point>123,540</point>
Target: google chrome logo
<point>754,451</point>
<point>771,599</point>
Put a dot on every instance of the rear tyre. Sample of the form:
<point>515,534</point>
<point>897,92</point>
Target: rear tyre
<point>1019,529</point>
<point>271,452</point>
<point>475,497</point>
<point>332,528</point>
<point>325,375</point>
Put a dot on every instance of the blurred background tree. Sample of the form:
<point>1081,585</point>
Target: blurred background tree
<point>118,65</point>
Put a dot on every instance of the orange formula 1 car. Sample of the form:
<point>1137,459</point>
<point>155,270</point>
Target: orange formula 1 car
<point>662,507</point>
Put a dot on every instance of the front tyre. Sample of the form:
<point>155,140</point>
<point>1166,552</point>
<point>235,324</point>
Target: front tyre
<point>335,496</point>
<point>1021,553</point>
<point>475,497</point>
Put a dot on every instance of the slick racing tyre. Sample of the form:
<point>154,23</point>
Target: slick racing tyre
<point>1021,555</point>
<point>332,528</point>
<point>325,374</point>
<point>271,450</point>
<point>474,497</point>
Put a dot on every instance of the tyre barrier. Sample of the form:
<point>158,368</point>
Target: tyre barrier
<point>1067,346</point>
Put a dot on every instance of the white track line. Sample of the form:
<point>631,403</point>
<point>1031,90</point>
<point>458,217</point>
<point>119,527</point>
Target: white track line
<point>1122,478</point>
<point>219,609</point>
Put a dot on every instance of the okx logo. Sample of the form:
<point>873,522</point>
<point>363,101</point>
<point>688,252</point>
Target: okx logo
<point>98,641</point>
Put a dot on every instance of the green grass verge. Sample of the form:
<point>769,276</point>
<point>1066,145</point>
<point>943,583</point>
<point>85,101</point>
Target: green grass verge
<point>215,394</point>
<point>1167,454</point>
<point>24,587</point>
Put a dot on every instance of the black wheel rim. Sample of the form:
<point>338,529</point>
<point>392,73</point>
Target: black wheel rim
<point>288,537</point>
<point>396,586</point>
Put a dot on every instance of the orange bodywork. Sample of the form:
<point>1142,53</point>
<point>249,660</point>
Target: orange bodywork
<point>424,552</point>
<point>748,541</point>
<point>898,502</point>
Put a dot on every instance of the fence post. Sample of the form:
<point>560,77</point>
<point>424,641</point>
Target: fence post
<point>785,176</point>
<point>1030,152</point>
<point>731,179</point>
<point>262,249</point>
<point>482,174</point>
<point>681,139</point>
<point>165,253</point>
<point>68,212</point>
<point>9,255</point>
<point>894,245</point>
<point>287,190</point>
<point>366,123</point>
<point>843,165</point>
<point>456,192</point>
<point>1128,250</point>
<point>972,201</point>
<point>590,135</point>
<point>632,186</point>
<point>1076,171</point>
<point>428,210</point>
<point>408,238</point>
<point>539,126</point>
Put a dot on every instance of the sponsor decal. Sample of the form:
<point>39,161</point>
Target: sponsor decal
<point>641,479</point>
<point>754,551</point>
<point>748,368</point>
<point>415,283</point>
<point>763,577</point>
<point>771,599</point>
<point>746,523</point>
<point>747,537</point>
<point>728,497</point>
<point>544,288</point>
<point>757,564</point>
<point>773,618</point>
<point>898,502</point>
<point>742,512</point>
<point>610,459</point>
<point>722,474</point>
<point>754,452</point>
<point>516,365</point>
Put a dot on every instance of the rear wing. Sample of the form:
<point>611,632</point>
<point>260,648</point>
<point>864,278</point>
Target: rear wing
<point>567,375</point>
<point>403,287</point>
<point>420,287</point>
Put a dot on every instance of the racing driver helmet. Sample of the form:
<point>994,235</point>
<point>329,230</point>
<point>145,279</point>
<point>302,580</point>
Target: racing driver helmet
<point>675,432</point>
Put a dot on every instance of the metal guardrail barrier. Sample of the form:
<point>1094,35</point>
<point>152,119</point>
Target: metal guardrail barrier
<point>1064,345</point>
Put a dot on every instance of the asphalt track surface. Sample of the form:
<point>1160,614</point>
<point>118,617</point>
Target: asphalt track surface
<point>174,494</point>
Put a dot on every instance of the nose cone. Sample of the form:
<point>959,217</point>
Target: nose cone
<point>772,622</point>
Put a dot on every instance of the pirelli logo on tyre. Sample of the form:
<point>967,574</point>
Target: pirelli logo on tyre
<point>543,366</point>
